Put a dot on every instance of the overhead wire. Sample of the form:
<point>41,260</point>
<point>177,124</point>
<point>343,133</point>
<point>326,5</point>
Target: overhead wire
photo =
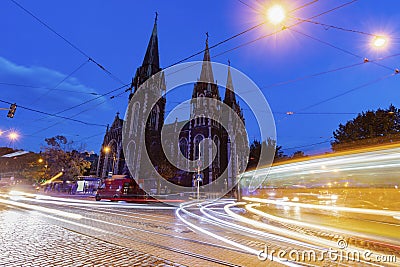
<point>67,41</point>
<point>210,47</point>
<point>284,28</point>
<point>52,115</point>
<point>337,48</point>
<point>60,82</point>
<point>47,88</point>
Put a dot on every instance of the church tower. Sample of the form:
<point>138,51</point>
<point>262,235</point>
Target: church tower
<point>234,158</point>
<point>201,126</point>
<point>141,128</point>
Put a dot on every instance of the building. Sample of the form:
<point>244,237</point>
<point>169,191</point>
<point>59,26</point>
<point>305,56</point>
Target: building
<point>199,127</point>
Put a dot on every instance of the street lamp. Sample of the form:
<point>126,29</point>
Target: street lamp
<point>107,149</point>
<point>276,14</point>
<point>13,136</point>
<point>379,41</point>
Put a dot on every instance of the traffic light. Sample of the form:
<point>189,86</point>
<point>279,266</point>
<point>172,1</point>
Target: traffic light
<point>11,111</point>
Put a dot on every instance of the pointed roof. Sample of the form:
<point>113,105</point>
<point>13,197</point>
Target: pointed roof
<point>230,98</point>
<point>117,122</point>
<point>206,69</point>
<point>151,61</point>
<point>152,58</point>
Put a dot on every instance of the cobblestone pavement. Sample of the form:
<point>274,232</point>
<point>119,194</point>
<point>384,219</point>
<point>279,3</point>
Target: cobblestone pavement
<point>49,231</point>
<point>106,236</point>
<point>27,240</point>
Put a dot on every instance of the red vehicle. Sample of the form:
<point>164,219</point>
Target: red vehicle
<point>119,187</point>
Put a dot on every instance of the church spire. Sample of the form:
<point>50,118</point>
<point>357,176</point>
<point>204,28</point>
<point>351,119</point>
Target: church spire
<point>230,98</point>
<point>151,59</point>
<point>206,69</point>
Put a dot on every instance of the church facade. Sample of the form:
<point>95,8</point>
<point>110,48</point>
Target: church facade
<point>203,124</point>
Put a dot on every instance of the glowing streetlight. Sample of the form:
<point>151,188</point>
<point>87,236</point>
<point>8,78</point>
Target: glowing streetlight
<point>40,160</point>
<point>107,149</point>
<point>379,41</point>
<point>276,14</point>
<point>13,136</point>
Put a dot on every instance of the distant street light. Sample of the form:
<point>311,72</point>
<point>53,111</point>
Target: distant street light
<point>276,14</point>
<point>106,149</point>
<point>379,41</point>
<point>13,136</point>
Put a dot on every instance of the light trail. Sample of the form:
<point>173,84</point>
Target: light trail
<point>281,231</point>
<point>225,240</point>
<point>84,203</point>
<point>390,213</point>
<point>250,208</point>
<point>254,231</point>
<point>42,209</point>
<point>359,164</point>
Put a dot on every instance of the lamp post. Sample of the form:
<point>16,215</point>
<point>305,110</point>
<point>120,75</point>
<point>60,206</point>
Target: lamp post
<point>198,175</point>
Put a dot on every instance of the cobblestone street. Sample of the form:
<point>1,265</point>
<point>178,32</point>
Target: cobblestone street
<point>30,241</point>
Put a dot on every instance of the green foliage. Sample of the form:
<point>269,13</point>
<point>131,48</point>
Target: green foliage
<point>61,155</point>
<point>368,128</point>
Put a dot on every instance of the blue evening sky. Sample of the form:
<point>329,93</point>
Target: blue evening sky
<point>116,33</point>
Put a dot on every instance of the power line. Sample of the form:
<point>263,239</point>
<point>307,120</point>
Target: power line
<point>337,47</point>
<point>249,6</point>
<point>85,102</point>
<point>328,71</point>
<point>349,91</point>
<point>89,58</point>
<point>217,44</point>
<point>236,35</point>
<point>59,83</point>
<point>73,116</point>
<point>309,145</point>
<point>284,28</point>
<point>47,88</point>
<point>52,115</point>
<point>67,41</point>
<point>328,26</point>
<point>93,99</point>
<point>316,113</point>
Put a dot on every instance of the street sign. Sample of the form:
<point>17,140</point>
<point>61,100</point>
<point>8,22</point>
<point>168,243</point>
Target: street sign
<point>199,177</point>
<point>110,174</point>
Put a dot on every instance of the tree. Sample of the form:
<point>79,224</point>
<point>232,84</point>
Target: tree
<point>268,146</point>
<point>368,128</point>
<point>26,166</point>
<point>61,155</point>
<point>298,154</point>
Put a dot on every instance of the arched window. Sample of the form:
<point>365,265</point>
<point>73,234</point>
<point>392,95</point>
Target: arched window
<point>217,155</point>
<point>154,117</point>
<point>135,118</point>
<point>130,155</point>
<point>198,149</point>
<point>183,147</point>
